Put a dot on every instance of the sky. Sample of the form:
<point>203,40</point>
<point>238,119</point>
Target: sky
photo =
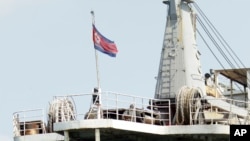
<point>46,48</point>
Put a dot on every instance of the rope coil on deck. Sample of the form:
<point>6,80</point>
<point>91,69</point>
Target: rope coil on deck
<point>183,105</point>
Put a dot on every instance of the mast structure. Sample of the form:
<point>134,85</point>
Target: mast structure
<point>180,60</point>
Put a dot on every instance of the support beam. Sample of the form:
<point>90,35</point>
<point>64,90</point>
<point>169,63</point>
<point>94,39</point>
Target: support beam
<point>66,136</point>
<point>97,135</point>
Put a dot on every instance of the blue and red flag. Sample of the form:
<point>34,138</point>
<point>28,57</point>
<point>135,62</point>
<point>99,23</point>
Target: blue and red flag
<point>103,44</point>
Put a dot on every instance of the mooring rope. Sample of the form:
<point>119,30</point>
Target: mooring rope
<point>183,106</point>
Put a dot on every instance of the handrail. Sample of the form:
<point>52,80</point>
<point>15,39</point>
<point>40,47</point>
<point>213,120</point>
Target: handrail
<point>27,122</point>
<point>230,112</point>
<point>119,106</point>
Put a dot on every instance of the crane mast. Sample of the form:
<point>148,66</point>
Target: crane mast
<point>180,60</point>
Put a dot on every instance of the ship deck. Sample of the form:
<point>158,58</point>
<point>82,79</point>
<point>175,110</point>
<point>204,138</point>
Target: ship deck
<point>110,129</point>
<point>124,118</point>
<point>110,124</point>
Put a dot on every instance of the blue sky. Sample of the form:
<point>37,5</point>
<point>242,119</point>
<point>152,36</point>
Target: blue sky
<point>46,48</point>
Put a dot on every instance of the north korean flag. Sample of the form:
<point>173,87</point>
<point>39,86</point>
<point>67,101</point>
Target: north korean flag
<point>103,44</point>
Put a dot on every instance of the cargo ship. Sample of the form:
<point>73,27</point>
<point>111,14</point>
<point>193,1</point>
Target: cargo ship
<point>187,104</point>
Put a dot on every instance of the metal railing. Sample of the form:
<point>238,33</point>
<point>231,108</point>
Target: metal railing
<point>220,111</point>
<point>117,106</point>
<point>120,107</point>
<point>29,122</point>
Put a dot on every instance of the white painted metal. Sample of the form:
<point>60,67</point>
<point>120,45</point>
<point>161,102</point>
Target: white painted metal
<point>180,59</point>
<point>41,137</point>
<point>143,128</point>
<point>66,135</point>
<point>221,104</point>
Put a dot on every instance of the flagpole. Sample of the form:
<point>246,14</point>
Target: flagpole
<point>96,55</point>
<point>97,131</point>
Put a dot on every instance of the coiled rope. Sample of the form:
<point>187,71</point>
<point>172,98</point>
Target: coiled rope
<point>183,105</point>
